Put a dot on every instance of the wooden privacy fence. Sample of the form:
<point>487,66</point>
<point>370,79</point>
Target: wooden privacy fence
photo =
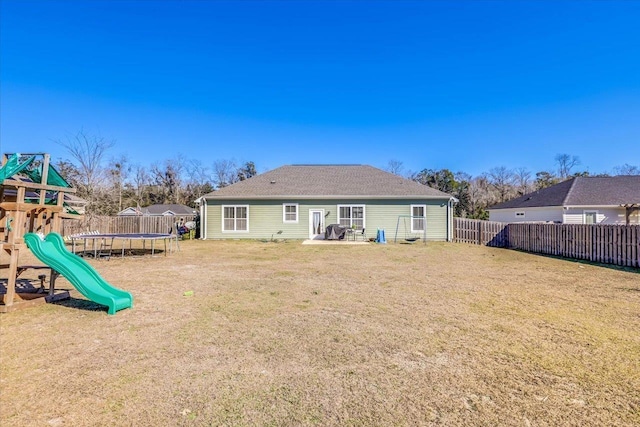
<point>122,224</point>
<point>479,232</point>
<point>608,244</point>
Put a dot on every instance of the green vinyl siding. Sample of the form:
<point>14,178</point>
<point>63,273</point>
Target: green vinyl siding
<point>266,217</point>
<point>385,213</point>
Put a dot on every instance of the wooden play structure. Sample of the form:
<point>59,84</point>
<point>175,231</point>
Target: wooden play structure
<point>32,200</point>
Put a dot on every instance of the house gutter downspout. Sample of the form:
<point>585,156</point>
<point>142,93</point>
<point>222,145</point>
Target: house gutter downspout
<point>203,219</point>
<point>452,200</point>
<point>449,219</point>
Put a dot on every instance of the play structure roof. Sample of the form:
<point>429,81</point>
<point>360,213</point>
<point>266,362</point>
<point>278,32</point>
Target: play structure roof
<point>29,168</point>
<point>26,169</point>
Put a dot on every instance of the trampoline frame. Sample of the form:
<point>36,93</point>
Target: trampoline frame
<point>124,237</point>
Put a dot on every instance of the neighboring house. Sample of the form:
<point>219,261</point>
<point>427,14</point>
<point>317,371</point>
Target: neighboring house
<point>299,201</point>
<point>581,200</point>
<point>76,203</point>
<point>158,210</point>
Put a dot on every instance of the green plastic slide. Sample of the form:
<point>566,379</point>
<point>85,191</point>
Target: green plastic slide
<point>52,251</point>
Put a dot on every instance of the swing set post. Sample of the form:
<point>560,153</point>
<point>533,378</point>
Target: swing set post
<point>411,218</point>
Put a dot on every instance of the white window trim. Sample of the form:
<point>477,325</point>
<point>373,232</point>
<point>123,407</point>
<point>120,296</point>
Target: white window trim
<point>589,211</point>
<point>424,208</point>
<point>520,214</point>
<point>284,213</point>
<point>222,218</point>
<point>364,213</point>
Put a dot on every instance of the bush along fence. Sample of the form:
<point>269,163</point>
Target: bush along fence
<point>607,244</point>
<point>122,224</point>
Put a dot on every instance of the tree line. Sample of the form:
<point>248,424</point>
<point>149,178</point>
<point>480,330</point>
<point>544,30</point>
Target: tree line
<point>499,184</point>
<point>110,184</point>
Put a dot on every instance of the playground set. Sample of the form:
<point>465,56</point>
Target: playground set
<point>32,207</point>
<point>414,228</point>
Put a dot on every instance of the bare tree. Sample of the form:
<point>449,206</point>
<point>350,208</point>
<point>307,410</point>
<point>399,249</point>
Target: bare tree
<point>502,179</point>
<point>168,181</point>
<point>195,171</point>
<point>479,197</point>
<point>224,173</point>
<point>119,170</point>
<point>627,169</point>
<point>522,178</point>
<point>87,152</point>
<point>566,163</point>
<point>140,183</point>
<point>198,179</point>
<point>395,167</point>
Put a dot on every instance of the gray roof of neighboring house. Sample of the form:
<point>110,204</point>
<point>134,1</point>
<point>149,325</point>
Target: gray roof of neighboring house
<point>581,191</point>
<point>161,209</point>
<point>324,181</point>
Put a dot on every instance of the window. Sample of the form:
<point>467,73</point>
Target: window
<point>235,218</point>
<point>590,217</point>
<point>351,216</point>
<point>290,212</point>
<point>519,214</point>
<point>418,224</point>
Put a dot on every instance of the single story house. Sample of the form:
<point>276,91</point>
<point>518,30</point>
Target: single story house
<point>159,210</point>
<point>580,200</point>
<point>299,201</point>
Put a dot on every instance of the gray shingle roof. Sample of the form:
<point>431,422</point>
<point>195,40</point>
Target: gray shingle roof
<point>158,210</point>
<point>582,191</point>
<point>162,208</point>
<point>319,181</point>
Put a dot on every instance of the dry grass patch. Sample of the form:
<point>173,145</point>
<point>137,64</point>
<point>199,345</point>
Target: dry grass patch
<point>285,334</point>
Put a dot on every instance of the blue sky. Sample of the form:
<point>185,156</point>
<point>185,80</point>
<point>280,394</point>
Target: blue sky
<point>461,85</point>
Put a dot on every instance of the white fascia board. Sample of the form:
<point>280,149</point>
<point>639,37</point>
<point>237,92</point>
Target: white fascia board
<point>592,206</point>
<point>530,207</point>
<point>345,197</point>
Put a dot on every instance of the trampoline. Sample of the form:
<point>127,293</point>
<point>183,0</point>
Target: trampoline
<point>106,241</point>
